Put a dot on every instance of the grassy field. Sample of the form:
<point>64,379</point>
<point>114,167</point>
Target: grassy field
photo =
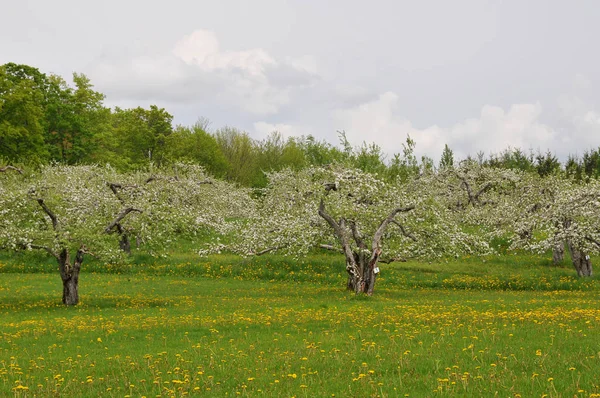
<point>507,326</point>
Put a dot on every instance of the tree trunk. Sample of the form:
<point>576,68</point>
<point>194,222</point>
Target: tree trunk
<point>558,253</point>
<point>364,279</point>
<point>69,274</point>
<point>125,244</point>
<point>581,261</point>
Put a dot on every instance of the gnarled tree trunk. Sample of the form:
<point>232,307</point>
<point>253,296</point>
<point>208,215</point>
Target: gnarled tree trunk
<point>581,261</point>
<point>361,264</point>
<point>69,274</point>
<point>366,272</point>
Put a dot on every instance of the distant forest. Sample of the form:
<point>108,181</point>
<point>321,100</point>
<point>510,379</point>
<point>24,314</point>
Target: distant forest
<point>45,119</point>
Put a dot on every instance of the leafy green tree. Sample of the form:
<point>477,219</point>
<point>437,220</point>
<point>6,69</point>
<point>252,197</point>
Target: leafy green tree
<point>140,136</point>
<point>514,159</point>
<point>242,154</point>
<point>405,166</point>
<point>547,164</point>
<point>591,164</point>
<point>195,145</point>
<point>22,114</point>
<point>447,159</point>
<point>320,153</point>
<point>574,168</point>
<point>74,116</point>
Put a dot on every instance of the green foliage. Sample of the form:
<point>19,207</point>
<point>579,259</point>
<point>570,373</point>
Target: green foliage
<point>139,137</point>
<point>512,158</point>
<point>22,115</point>
<point>195,144</point>
<point>547,164</point>
<point>447,159</point>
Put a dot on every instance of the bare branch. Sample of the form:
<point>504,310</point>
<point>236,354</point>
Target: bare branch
<point>404,232</point>
<point>268,250</point>
<point>9,167</point>
<point>331,247</point>
<point>49,213</point>
<point>358,238</point>
<point>385,222</point>
<point>120,217</point>
<point>483,189</point>
<point>39,247</point>
<point>329,219</point>
<point>341,234</point>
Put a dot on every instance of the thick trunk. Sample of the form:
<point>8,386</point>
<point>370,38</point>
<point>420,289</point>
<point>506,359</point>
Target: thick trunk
<point>363,281</point>
<point>69,274</point>
<point>581,261</point>
<point>558,253</point>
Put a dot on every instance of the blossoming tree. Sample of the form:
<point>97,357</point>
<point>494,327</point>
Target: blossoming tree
<point>363,217</point>
<point>71,211</point>
<point>559,211</point>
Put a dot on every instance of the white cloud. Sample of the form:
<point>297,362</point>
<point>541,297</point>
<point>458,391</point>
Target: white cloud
<point>198,71</point>
<point>493,130</point>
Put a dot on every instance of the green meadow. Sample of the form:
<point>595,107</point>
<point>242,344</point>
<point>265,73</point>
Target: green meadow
<point>507,326</point>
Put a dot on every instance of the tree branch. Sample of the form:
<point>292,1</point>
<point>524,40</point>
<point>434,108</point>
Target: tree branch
<point>404,232</point>
<point>385,222</point>
<point>358,238</point>
<point>49,213</point>
<point>268,250</point>
<point>9,167</point>
<point>121,216</point>
<point>39,247</point>
<point>594,241</point>
<point>331,247</point>
<point>483,189</point>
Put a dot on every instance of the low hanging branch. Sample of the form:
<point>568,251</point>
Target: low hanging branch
<point>26,246</point>
<point>120,217</point>
<point>404,232</point>
<point>9,167</point>
<point>268,250</point>
<point>331,247</point>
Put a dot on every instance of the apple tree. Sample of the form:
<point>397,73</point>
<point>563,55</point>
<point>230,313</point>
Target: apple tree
<point>363,217</point>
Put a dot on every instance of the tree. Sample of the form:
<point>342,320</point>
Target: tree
<point>72,211</point>
<point>22,114</point>
<point>404,166</point>
<point>447,159</point>
<point>547,164</point>
<point>62,211</point>
<point>140,136</point>
<point>547,213</point>
<point>241,153</point>
<point>195,144</point>
<point>74,118</point>
<point>365,218</point>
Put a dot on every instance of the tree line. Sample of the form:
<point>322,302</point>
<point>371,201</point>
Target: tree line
<point>70,212</point>
<point>45,119</point>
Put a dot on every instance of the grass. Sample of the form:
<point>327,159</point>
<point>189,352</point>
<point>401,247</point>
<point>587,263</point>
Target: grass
<point>510,326</point>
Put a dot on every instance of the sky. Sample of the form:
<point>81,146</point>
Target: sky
<point>474,74</point>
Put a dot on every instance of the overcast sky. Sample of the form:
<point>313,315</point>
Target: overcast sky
<point>475,74</point>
